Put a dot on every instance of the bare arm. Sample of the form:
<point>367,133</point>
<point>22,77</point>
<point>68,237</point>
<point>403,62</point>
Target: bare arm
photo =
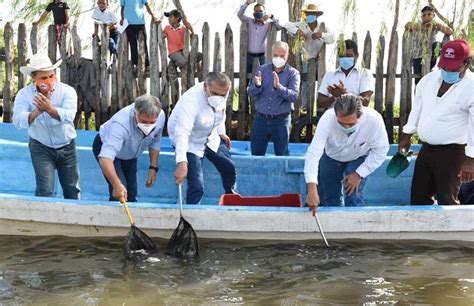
<point>149,10</point>
<point>445,29</point>
<point>365,97</point>
<point>324,101</point>
<point>66,13</point>
<point>33,115</point>
<point>42,17</point>
<point>189,27</point>
<point>119,190</point>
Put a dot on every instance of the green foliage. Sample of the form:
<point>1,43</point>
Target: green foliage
<point>31,10</point>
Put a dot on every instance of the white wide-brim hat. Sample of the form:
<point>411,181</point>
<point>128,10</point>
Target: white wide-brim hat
<point>39,62</point>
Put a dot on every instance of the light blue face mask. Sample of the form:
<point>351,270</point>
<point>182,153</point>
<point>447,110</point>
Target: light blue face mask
<point>349,130</point>
<point>450,77</point>
<point>346,62</point>
<point>311,18</point>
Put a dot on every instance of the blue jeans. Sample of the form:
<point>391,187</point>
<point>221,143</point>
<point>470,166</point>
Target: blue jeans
<point>224,165</point>
<point>46,160</point>
<point>251,58</point>
<point>126,171</point>
<point>114,37</point>
<point>330,187</point>
<point>277,128</point>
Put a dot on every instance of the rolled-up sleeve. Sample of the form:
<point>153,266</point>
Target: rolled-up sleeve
<point>290,93</point>
<point>21,109</point>
<point>378,150</point>
<point>67,110</point>
<point>184,126</point>
<point>414,118</point>
<point>113,140</point>
<point>316,149</point>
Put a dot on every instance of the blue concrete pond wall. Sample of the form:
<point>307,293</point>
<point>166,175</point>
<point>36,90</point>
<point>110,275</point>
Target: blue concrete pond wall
<point>269,175</point>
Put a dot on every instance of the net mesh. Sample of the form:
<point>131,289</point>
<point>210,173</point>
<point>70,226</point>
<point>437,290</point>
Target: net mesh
<point>183,242</point>
<point>138,244</point>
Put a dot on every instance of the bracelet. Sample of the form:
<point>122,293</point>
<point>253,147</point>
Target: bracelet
<point>153,168</point>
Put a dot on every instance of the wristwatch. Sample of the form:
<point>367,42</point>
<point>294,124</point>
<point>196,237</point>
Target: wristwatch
<point>153,168</point>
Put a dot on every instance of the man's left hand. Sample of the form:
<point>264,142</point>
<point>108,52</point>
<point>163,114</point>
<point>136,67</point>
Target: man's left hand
<point>337,90</point>
<point>42,102</point>
<point>352,182</point>
<point>151,178</point>
<point>276,80</point>
<point>467,170</point>
<point>227,141</point>
<point>317,35</point>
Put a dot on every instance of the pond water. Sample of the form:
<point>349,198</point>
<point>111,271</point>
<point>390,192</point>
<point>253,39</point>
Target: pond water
<point>73,271</point>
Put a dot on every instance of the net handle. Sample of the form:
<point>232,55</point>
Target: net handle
<point>180,197</point>
<point>129,214</point>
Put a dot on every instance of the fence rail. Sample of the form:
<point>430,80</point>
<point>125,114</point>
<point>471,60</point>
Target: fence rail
<point>113,85</point>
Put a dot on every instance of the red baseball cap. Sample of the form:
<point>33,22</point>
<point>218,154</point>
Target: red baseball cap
<point>453,54</point>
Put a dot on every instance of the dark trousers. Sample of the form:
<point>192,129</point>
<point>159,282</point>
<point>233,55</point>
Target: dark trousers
<point>46,160</point>
<point>224,165</point>
<point>417,66</point>
<point>126,171</point>
<point>265,128</point>
<point>436,174</point>
<point>133,31</point>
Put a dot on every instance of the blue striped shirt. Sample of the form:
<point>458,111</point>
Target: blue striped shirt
<point>45,129</point>
<point>271,100</point>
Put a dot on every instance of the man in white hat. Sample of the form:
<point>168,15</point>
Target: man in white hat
<point>47,109</point>
<point>313,34</point>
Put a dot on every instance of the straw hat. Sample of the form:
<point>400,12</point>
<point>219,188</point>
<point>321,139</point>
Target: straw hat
<point>313,8</point>
<point>39,62</point>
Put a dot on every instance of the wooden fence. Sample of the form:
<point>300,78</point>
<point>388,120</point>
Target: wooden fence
<point>118,83</point>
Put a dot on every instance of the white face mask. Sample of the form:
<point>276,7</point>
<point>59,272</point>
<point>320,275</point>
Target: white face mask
<point>278,62</point>
<point>146,128</point>
<point>216,102</point>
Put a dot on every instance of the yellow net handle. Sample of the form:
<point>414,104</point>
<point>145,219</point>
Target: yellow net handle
<point>127,210</point>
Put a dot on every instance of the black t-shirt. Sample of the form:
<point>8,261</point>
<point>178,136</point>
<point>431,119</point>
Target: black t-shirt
<point>59,11</point>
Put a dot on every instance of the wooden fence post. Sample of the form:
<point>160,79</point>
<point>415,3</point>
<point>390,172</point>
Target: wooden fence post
<point>405,81</point>
<point>243,102</point>
<point>206,55</point>
<point>154,62</point>
<point>229,71</point>
<point>390,84</point>
<point>52,43</point>
<point>354,37</point>
<point>34,39</point>
<point>63,54</point>
<point>165,85</point>
<point>185,70</point>
<point>217,54</point>
<point>141,76</point>
<point>367,57</point>
<point>22,52</point>
<point>96,64</point>
<point>193,55</point>
<point>104,75</point>
<point>76,42</point>
<point>7,86</point>
<point>271,39</point>
<point>378,96</point>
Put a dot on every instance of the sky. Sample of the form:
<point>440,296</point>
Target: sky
<point>370,15</point>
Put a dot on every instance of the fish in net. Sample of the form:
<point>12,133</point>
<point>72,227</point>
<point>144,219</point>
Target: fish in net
<point>137,244</point>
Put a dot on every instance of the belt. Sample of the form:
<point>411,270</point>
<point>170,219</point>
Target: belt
<point>268,116</point>
<point>256,54</point>
<point>446,146</point>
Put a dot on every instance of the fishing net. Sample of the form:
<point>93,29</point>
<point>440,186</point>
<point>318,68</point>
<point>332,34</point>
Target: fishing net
<point>183,242</point>
<point>138,244</point>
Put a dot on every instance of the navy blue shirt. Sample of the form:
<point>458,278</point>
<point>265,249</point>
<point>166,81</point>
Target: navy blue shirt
<point>271,100</point>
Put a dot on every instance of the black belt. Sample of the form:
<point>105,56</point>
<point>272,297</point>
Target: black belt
<point>256,54</point>
<point>446,146</point>
<point>268,116</point>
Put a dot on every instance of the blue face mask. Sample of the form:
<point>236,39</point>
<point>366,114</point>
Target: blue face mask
<point>258,15</point>
<point>349,130</point>
<point>450,77</point>
<point>346,62</point>
<point>311,18</point>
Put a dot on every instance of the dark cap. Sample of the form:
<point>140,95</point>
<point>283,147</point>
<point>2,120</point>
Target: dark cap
<point>174,13</point>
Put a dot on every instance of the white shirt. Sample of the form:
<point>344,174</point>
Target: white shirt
<point>194,124</point>
<point>105,17</point>
<point>358,80</point>
<point>369,139</point>
<point>443,120</point>
<point>311,46</point>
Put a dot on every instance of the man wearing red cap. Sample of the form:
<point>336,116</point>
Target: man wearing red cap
<point>443,116</point>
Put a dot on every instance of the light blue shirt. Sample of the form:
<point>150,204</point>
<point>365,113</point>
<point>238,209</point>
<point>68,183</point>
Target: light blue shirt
<point>122,139</point>
<point>50,132</point>
<point>133,11</point>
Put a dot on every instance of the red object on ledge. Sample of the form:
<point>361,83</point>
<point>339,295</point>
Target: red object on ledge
<point>285,200</point>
